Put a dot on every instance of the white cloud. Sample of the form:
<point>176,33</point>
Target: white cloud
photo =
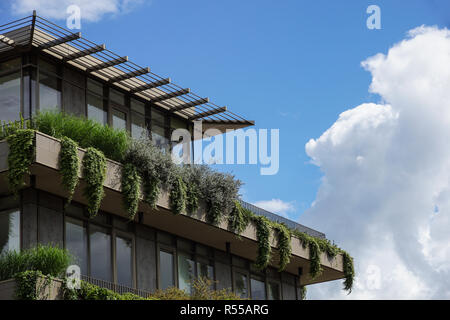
<point>90,10</point>
<point>385,193</point>
<point>276,206</point>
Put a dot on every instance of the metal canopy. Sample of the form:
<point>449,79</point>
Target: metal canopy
<point>36,32</point>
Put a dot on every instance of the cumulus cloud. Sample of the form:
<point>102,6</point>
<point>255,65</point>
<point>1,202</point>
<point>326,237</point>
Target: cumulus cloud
<point>385,191</point>
<point>90,10</point>
<point>276,206</point>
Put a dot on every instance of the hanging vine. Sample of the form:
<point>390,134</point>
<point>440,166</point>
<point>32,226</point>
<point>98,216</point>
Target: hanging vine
<point>69,164</point>
<point>349,271</point>
<point>177,196</point>
<point>20,157</point>
<point>239,218</point>
<point>263,237</point>
<point>131,189</point>
<point>284,244</point>
<point>94,172</point>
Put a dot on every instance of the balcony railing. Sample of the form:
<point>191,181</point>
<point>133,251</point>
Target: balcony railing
<point>274,217</point>
<point>115,287</point>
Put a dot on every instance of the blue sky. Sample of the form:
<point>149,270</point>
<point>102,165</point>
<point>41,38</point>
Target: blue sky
<point>292,65</point>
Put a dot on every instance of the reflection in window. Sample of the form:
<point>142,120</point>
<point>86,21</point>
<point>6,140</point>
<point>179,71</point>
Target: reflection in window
<point>100,244</point>
<point>137,126</point>
<point>9,230</point>
<point>10,97</point>
<point>117,97</point>
<point>186,272</point>
<point>166,269</point>
<point>258,289</point>
<point>124,261</point>
<point>159,138</point>
<point>76,242</point>
<point>241,285</point>
<point>119,119</point>
<point>49,92</point>
<point>96,111</point>
<point>273,291</point>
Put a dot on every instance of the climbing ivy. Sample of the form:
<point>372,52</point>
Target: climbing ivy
<point>307,241</point>
<point>20,157</point>
<point>94,171</point>
<point>131,189</point>
<point>284,244</point>
<point>263,237</point>
<point>69,164</point>
<point>239,218</point>
<point>151,191</point>
<point>177,198</point>
<point>349,271</point>
<point>28,286</point>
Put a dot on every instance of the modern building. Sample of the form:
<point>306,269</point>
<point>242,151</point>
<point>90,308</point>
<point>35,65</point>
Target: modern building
<point>43,65</point>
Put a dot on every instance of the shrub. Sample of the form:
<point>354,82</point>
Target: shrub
<point>49,260</point>
<point>87,133</point>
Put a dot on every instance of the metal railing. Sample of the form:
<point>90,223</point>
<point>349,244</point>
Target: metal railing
<point>115,287</point>
<point>274,217</point>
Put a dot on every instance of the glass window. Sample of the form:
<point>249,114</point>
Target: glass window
<point>124,261</point>
<point>137,126</point>
<point>137,106</point>
<point>96,110</point>
<point>29,92</point>
<point>95,86</point>
<point>273,291</point>
<point>119,119</point>
<point>166,268</point>
<point>258,289</point>
<point>76,242</point>
<point>186,272</point>
<point>49,92</point>
<point>117,97</point>
<point>159,138</point>
<point>10,97</point>
<point>100,247</point>
<point>241,285</point>
<point>9,230</point>
<point>10,65</point>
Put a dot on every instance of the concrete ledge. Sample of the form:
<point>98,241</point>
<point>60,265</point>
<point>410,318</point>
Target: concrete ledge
<point>53,291</point>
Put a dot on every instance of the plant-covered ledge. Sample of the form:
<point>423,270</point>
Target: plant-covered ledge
<point>149,182</point>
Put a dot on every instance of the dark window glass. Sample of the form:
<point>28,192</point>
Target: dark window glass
<point>273,291</point>
<point>137,126</point>
<point>124,261</point>
<point>186,272</point>
<point>119,119</point>
<point>9,230</point>
<point>166,268</point>
<point>96,110</point>
<point>76,242</point>
<point>10,97</point>
<point>100,247</point>
<point>10,65</point>
<point>29,92</point>
<point>117,97</point>
<point>258,289</point>
<point>241,285</point>
<point>49,92</point>
<point>95,87</point>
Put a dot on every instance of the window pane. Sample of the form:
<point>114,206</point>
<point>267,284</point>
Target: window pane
<point>258,289</point>
<point>29,92</point>
<point>117,97</point>
<point>166,270</point>
<point>119,119</point>
<point>95,86</point>
<point>137,106</point>
<point>9,230</point>
<point>137,126</point>
<point>10,97</point>
<point>49,92</point>
<point>96,110</point>
<point>241,285</point>
<point>186,272</point>
<point>100,243</point>
<point>158,137</point>
<point>10,65</point>
<point>274,291</point>
<point>76,242</point>
<point>124,261</point>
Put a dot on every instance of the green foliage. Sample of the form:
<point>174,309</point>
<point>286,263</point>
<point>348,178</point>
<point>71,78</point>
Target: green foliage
<point>303,293</point>
<point>349,271</point>
<point>32,285</point>
<point>47,259</point>
<point>239,218</point>
<point>177,197</point>
<point>131,189</point>
<point>89,291</point>
<point>9,128</point>
<point>192,177</point>
<point>87,133</point>
<point>94,172</point>
<point>263,227</point>
<point>284,244</point>
<point>310,242</point>
<point>69,164</point>
<point>20,157</point>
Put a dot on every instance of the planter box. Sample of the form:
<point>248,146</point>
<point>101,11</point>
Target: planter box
<point>52,291</point>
